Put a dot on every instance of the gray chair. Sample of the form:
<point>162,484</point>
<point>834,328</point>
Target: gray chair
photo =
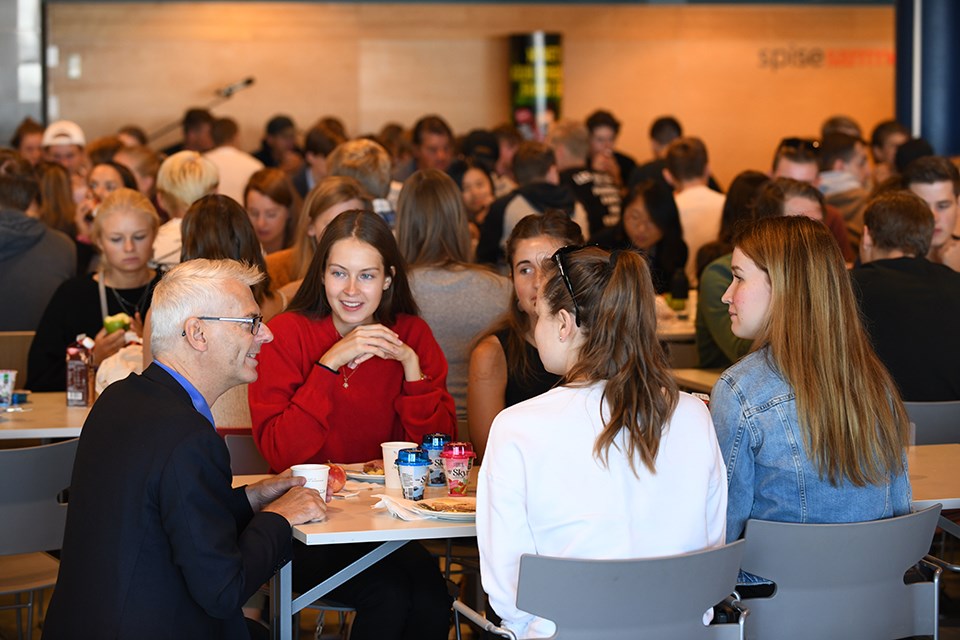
<point>842,580</point>
<point>619,599</point>
<point>245,458</point>
<point>935,422</point>
<point>32,482</point>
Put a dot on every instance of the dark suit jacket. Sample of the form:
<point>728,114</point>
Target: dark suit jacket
<point>157,543</point>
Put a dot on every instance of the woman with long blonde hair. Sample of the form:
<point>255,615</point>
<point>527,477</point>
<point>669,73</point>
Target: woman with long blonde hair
<point>810,423</point>
<point>613,463</point>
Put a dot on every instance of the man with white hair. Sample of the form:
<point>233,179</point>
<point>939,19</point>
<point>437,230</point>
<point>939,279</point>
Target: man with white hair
<point>157,543</point>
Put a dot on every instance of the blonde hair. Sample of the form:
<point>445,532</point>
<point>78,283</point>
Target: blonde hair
<point>124,200</point>
<point>328,193</point>
<point>366,162</point>
<point>184,178</point>
<point>572,136</point>
<point>854,423</point>
<point>618,322</point>
<point>432,226</point>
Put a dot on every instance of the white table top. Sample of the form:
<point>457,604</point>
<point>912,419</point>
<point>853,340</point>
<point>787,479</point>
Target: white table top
<point>353,520</point>
<point>933,475</point>
<point>46,415</point>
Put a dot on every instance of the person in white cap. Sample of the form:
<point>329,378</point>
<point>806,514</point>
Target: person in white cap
<point>63,143</point>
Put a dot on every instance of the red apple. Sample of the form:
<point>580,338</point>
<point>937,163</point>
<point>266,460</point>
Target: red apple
<point>335,479</point>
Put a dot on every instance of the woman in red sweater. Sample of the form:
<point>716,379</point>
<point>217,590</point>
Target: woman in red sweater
<point>351,366</point>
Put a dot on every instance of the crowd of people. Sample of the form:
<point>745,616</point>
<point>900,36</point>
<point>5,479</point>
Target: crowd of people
<point>334,292</point>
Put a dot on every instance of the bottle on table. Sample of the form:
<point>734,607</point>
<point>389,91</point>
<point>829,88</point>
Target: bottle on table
<point>80,374</point>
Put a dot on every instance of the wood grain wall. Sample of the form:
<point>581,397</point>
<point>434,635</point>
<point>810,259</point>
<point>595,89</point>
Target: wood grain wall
<point>145,62</point>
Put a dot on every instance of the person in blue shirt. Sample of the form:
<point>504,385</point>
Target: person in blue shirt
<point>810,423</point>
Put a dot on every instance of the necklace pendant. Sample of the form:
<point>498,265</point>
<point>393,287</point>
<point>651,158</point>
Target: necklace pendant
<point>345,384</point>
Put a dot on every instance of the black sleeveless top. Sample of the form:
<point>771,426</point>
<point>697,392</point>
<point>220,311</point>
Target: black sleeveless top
<point>540,381</point>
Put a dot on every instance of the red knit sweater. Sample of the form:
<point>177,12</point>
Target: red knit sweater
<point>301,411</point>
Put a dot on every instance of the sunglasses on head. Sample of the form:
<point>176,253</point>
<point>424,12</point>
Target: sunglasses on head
<point>806,145</point>
<point>558,257</point>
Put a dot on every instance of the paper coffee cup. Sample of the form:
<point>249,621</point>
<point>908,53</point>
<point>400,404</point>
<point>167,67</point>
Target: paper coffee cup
<point>391,477</point>
<point>316,475</point>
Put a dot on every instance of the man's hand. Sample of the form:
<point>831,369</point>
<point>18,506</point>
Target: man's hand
<point>299,505</point>
<point>284,494</point>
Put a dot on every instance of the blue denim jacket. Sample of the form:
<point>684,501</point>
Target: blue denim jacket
<point>769,474</point>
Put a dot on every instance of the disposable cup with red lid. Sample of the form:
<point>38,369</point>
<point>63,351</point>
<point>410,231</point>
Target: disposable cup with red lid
<point>457,459</point>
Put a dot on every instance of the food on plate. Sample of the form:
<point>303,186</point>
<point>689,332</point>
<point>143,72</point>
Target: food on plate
<point>450,506</point>
<point>373,468</point>
<point>336,478</point>
<point>120,321</point>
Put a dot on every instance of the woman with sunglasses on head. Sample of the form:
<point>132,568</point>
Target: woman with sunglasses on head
<point>504,365</point>
<point>810,423</point>
<point>351,366</point>
<point>613,463</point>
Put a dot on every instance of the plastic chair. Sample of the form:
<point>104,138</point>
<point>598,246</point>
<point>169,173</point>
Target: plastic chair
<point>935,422</point>
<point>620,599</point>
<point>32,482</point>
<point>842,580</point>
<point>245,458</point>
<point>14,352</point>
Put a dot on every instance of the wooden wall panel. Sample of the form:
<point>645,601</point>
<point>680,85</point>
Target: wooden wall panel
<point>369,64</point>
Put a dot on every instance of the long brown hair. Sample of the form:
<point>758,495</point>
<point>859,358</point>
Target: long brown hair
<point>311,298</point>
<point>552,224</point>
<point>276,185</point>
<point>618,322</point>
<point>216,227</point>
<point>849,409</point>
<point>329,192</point>
<point>57,208</point>
<point>432,228</point>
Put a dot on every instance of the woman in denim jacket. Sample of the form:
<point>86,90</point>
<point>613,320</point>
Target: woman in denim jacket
<point>810,423</point>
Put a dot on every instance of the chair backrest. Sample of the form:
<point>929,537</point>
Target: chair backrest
<point>14,349</point>
<point>841,580</point>
<point>31,481</point>
<point>650,597</point>
<point>245,458</point>
<point>935,422</point>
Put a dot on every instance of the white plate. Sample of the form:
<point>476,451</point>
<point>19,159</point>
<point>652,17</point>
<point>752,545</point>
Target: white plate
<point>457,516</point>
<point>355,472</point>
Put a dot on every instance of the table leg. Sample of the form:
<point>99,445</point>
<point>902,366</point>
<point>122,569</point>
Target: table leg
<point>346,573</point>
<point>282,604</point>
<point>281,610</point>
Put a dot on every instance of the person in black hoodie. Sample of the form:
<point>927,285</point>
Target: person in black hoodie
<point>34,260</point>
<point>535,167</point>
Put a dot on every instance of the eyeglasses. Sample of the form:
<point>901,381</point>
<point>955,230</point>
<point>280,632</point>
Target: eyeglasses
<point>804,145</point>
<point>254,322</point>
<point>558,257</point>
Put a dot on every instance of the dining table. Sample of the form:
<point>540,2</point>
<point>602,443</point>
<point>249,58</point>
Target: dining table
<point>44,415</point>
<point>350,520</point>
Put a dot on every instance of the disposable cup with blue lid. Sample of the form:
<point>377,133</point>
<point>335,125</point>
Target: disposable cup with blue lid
<point>433,443</point>
<point>413,466</point>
